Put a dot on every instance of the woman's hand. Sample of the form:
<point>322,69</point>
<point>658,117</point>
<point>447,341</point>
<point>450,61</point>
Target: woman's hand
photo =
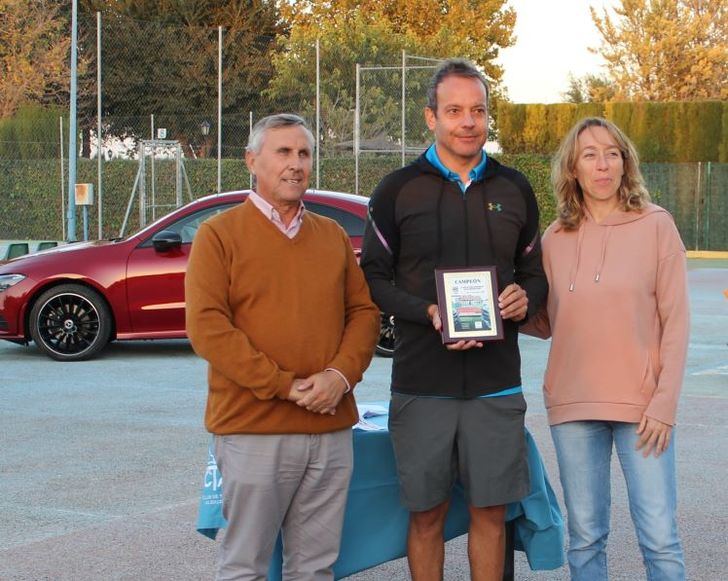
<point>654,435</point>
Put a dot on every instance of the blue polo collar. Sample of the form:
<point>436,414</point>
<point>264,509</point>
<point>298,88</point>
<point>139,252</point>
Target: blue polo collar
<point>475,174</point>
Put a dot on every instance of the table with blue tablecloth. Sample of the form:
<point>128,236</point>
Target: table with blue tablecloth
<point>375,524</point>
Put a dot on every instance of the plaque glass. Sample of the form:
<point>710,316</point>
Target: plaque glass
<point>468,303</point>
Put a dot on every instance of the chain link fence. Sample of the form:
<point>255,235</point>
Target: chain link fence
<point>163,82</point>
<point>697,196</point>
<point>389,125</point>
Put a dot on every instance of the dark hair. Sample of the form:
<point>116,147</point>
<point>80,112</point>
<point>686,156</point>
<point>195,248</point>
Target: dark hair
<point>453,67</point>
<point>255,141</point>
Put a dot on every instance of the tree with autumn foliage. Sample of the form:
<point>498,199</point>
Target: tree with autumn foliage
<point>665,50</point>
<point>588,89</point>
<point>473,29</point>
<point>34,48</point>
<point>375,33</point>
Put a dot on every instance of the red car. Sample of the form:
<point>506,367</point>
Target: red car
<point>72,300</point>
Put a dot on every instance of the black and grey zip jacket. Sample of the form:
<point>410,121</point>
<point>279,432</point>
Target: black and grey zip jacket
<point>420,221</point>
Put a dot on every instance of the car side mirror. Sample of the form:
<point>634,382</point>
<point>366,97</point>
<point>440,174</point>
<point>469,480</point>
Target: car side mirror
<point>166,240</point>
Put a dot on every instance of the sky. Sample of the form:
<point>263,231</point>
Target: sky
<point>553,37</point>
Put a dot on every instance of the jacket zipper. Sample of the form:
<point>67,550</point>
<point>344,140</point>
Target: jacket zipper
<point>467,264</point>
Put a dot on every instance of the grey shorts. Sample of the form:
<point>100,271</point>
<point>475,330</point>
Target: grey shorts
<point>480,441</point>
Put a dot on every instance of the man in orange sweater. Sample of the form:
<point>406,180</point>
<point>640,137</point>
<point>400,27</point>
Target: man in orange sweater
<point>277,304</point>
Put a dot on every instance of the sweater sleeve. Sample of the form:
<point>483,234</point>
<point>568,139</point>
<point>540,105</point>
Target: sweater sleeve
<point>209,322</point>
<point>673,311</point>
<point>529,273</point>
<point>537,325</point>
<point>361,326</point>
<point>380,253</point>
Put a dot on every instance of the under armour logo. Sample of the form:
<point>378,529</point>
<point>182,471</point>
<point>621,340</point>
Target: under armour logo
<point>495,207</point>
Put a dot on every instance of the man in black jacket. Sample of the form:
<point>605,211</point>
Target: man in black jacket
<point>457,410</point>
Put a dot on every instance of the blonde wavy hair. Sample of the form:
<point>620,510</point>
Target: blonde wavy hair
<point>632,193</point>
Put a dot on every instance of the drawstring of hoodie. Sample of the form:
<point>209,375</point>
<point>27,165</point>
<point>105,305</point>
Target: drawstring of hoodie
<point>605,239</point>
<point>607,231</point>
<point>575,265</point>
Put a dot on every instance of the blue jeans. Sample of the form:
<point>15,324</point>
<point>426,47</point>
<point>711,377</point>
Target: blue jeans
<point>584,451</point>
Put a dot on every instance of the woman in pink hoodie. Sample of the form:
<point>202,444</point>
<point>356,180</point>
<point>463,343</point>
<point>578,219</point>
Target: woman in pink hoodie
<point>617,313</point>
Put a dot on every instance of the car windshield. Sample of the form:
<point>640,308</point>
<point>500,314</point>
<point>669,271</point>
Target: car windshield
<point>188,225</point>
<point>154,226</point>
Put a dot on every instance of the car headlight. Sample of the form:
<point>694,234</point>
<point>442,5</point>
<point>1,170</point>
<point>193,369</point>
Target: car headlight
<point>8,280</point>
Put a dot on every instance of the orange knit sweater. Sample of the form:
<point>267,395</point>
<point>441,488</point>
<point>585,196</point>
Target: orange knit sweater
<point>264,309</point>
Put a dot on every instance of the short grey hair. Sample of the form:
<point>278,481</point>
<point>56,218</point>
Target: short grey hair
<point>255,141</point>
<point>458,68</point>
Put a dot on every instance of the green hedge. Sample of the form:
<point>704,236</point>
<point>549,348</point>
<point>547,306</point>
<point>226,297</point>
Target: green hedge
<point>538,128</point>
<point>32,133</point>
<point>537,168</point>
<point>31,201</point>
<point>30,190</point>
<point>678,131</point>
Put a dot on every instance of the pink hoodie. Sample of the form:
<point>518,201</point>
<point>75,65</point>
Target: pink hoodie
<point>618,317</point>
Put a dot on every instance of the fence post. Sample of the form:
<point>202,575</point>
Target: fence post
<point>219,109</point>
<point>318,113</point>
<point>697,206</point>
<point>63,192</point>
<point>356,131</point>
<point>99,143</point>
<point>72,135</point>
<point>151,162</point>
<point>250,131</point>
<point>404,106</point>
<point>178,176</point>
<point>708,190</point>
<point>143,185</point>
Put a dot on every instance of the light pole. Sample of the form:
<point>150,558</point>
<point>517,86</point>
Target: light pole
<point>72,135</point>
<point>205,130</point>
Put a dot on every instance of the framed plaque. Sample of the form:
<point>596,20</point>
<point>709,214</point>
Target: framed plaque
<point>468,303</point>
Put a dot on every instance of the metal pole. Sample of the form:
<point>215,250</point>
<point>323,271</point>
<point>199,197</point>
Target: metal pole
<point>131,202</point>
<point>219,109</point>
<point>63,187</point>
<point>404,108</point>
<point>154,181</point>
<point>250,131</point>
<point>143,186</point>
<point>72,128</point>
<point>178,180</point>
<point>187,183</point>
<point>708,198</point>
<point>356,132</point>
<point>697,207</point>
<point>318,113</point>
<point>99,147</point>
<point>84,211</point>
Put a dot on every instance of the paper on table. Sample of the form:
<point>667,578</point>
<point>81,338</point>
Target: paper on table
<point>368,426</point>
<point>371,410</point>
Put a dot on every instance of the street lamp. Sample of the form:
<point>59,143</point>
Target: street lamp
<point>205,129</point>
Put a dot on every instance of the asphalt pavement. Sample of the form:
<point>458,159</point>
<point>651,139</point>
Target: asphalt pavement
<point>101,462</point>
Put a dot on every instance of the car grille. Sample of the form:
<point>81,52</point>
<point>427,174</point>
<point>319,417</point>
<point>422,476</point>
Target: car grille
<point>3,324</point>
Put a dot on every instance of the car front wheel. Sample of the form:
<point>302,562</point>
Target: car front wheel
<point>70,322</point>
